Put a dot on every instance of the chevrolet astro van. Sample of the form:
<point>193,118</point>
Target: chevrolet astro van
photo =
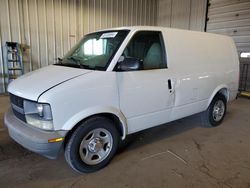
<point>116,82</point>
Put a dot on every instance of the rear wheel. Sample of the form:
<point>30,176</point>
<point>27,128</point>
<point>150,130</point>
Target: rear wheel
<point>92,145</point>
<point>216,111</point>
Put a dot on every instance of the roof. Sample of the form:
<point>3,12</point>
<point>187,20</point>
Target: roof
<point>158,28</point>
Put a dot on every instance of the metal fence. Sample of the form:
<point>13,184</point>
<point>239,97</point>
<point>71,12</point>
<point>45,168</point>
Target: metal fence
<point>244,84</point>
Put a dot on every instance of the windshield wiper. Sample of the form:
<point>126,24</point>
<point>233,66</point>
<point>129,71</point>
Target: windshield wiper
<point>85,66</point>
<point>59,60</point>
<point>74,59</point>
<point>78,62</point>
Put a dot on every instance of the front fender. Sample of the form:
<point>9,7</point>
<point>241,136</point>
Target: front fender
<point>94,111</point>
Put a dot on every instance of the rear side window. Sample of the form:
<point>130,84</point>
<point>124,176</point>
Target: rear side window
<point>147,46</point>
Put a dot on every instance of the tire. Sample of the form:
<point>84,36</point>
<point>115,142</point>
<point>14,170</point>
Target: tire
<point>92,145</point>
<point>215,113</point>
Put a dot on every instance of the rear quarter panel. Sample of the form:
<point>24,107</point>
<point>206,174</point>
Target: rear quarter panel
<point>201,63</point>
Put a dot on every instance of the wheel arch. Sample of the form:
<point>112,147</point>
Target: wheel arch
<point>110,113</point>
<point>223,89</point>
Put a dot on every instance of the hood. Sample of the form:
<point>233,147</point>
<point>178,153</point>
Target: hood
<point>33,84</point>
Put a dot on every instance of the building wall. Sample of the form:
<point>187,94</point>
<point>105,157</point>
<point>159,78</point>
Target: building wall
<point>183,14</point>
<point>231,17</point>
<point>47,29</point>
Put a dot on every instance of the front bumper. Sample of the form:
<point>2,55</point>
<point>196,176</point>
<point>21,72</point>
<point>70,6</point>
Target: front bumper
<point>32,138</point>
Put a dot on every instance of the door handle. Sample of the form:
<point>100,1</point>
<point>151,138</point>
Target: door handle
<point>170,85</point>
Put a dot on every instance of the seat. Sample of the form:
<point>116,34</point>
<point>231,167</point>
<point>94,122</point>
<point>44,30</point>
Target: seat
<point>153,59</point>
<point>126,53</point>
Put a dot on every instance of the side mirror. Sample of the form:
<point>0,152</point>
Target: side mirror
<point>129,64</point>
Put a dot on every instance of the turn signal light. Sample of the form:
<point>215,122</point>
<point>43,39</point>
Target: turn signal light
<point>55,140</point>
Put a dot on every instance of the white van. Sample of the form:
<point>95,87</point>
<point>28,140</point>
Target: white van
<point>120,81</point>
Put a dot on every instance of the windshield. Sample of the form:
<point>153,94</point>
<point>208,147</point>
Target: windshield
<point>95,50</point>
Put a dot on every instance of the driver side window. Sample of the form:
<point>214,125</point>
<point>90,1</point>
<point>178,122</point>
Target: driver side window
<point>148,47</point>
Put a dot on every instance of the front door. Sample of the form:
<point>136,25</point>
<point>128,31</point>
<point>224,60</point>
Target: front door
<point>146,95</point>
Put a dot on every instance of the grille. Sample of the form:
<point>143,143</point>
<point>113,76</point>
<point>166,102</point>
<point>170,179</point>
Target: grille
<point>17,101</point>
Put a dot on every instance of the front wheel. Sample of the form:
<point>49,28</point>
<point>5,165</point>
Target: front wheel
<point>92,145</point>
<point>215,113</point>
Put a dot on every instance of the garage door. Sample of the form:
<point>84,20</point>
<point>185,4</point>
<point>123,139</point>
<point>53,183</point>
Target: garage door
<point>231,17</point>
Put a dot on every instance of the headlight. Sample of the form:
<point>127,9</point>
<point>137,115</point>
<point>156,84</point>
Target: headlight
<point>38,115</point>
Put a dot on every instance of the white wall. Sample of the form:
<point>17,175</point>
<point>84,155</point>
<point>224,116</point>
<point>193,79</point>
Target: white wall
<point>184,14</point>
<point>231,17</point>
<point>49,28</point>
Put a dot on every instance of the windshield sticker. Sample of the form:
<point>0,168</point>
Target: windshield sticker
<point>108,35</point>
